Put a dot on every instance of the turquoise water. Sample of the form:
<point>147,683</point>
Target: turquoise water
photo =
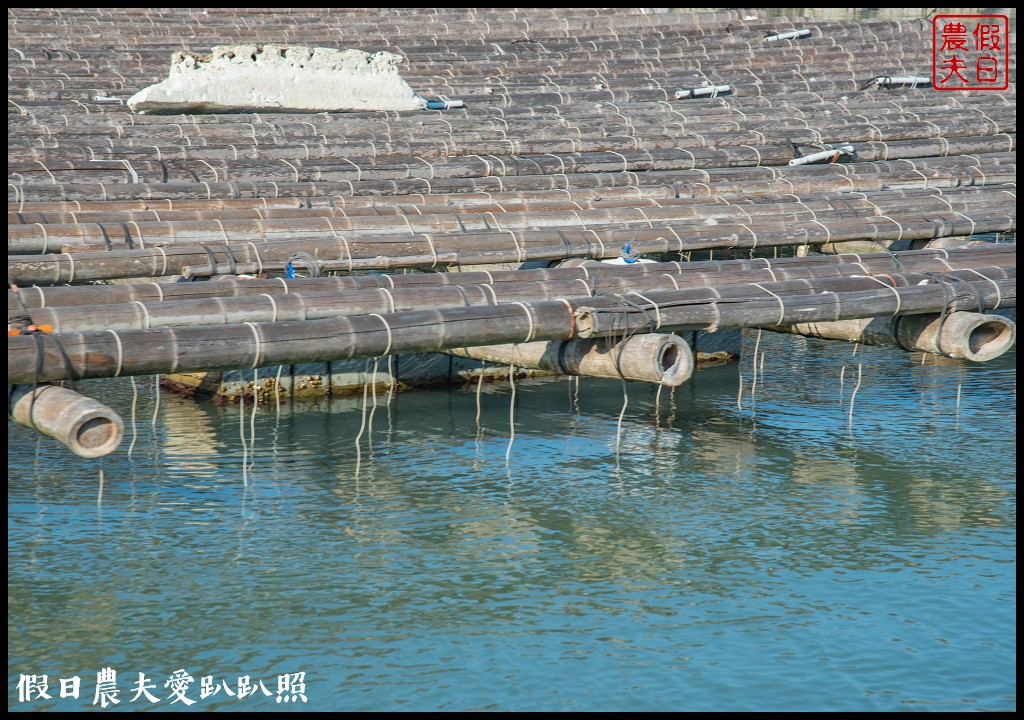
<point>699,550</point>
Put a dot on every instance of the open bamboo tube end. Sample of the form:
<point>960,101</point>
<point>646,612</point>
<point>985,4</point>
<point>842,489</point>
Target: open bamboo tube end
<point>674,358</point>
<point>95,433</point>
<point>972,336</point>
<point>655,358</point>
<point>85,426</point>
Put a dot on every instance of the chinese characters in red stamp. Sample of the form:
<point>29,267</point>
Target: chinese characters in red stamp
<point>970,52</point>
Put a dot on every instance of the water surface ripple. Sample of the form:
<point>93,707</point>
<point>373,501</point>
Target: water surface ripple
<point>715,550</point>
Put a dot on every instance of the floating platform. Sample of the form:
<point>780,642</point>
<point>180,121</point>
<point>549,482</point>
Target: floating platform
<point>558,175</point>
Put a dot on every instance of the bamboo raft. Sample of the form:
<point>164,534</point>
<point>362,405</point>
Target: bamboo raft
<point>775,177</point>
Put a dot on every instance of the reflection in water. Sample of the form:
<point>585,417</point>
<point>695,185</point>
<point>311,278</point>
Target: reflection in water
<point>694,555</point>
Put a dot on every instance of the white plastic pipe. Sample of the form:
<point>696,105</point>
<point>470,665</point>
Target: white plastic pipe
<point>790,35</point>
<point>696,92</point>
<point>445,104</point>
<point>829,155</point>
<point>901,80</point>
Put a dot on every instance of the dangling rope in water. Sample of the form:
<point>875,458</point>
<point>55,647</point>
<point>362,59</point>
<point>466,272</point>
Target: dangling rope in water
<point>156,396</point>
<point>393,380</point>
<point>359,435</point>
<point>277,390</point>
<point>622,413</point>
<point>241,434</point>
<point>252,418</point>
<point>135,434</point>
<point>511,412</point>
<point>479,428</point>
<point>753,382</point>
<point>853,395</point>
<point>373,408</point>
<point>479,389</point>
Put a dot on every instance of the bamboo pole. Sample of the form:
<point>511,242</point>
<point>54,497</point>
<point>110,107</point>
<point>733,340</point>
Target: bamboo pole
<point>311,304</point>
<point>432,143</point>
<point>79,236</point>
<point>86,427</point>
<point>393,208</point>
<point>977,255</point>
<point>111,353</point>
<point>486,137</point>
<point>972,336</point>
<point>847,176</point>
<point>694,181</point>
<point>659,358</point>
<point>753,305</point>
<point>933,173</point>
<point>423,250</point>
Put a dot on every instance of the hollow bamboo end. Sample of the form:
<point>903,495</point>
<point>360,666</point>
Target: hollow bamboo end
<point>85,426</point>
<point>978,337</point>
<point>659,358</point>
<point>95,434</point>
<point>964,335</point>
<point>675,360</point>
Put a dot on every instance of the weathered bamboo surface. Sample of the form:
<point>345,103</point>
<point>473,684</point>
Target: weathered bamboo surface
<point>664,359</point>
<point>845,298</point>
<point>983,169</point>
<point>473,165</point>
<point>974,336</point>
<point>426,250</point>
<point>314,300</point>
<point>556,101</point>
<point>83,425</point>
<point>692,215</point>
<point>688,179</point>
<point>707,271</point>
<point>110,353</point>
<point>384,212</point>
